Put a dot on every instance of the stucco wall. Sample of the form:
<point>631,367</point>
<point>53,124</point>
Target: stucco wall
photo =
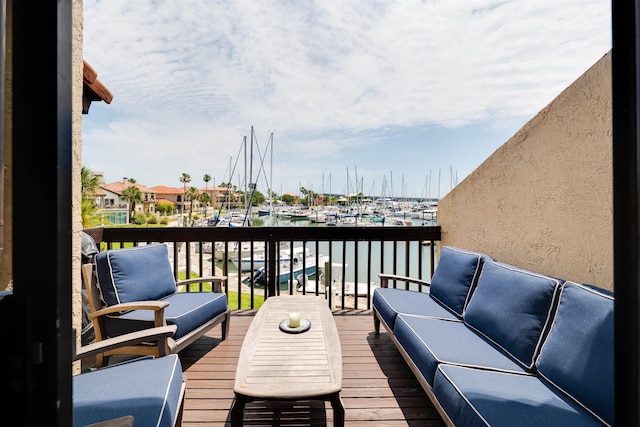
<point>6,264</point>
<point>544,200</point>
<point>76,132</point>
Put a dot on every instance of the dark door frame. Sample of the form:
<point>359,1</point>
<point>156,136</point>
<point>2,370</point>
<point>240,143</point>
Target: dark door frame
<point>37,360</point>
<point>626,175</point>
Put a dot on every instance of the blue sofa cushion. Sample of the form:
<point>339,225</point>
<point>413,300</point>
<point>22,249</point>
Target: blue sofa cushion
<point>151,390</point>
<point>186,310</point>
<point>476,397</point>
<point>512,308</point>
<point>388,302</point>
<point>577,355</point>
<point>135,274</point>
<point>454,277</point>
<point>430,342</point>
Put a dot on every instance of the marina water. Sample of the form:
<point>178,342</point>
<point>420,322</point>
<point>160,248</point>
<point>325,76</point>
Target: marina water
<point>382,257</point>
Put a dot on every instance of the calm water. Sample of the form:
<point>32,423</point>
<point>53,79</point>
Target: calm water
<point>345,254</point>
<point>342,253</point>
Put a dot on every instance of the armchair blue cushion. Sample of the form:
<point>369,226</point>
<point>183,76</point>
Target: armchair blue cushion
<point>186,310</point>
<point>512,308</point>
<point>150,389</point>
<point>135,274</point>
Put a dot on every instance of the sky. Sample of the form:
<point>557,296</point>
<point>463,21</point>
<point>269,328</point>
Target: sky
<point>394,98</point>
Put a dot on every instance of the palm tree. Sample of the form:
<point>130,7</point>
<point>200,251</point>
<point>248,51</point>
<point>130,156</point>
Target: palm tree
<point>88,209</point>
<point>191,195</point>
<point>206,178</point>
<point>132,195</point>
<point>89,183</point>
<point>184,179</point>
<point>90,214</point>
<point>205,199</point>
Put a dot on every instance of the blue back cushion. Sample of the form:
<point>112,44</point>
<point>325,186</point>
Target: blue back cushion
<point>456,273</point>
<point>512,308</point>
<point>135,274</point>
<point>577,356</point>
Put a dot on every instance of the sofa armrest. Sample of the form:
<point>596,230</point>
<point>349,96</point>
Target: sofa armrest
<point>386,278</point>
<point>162,335</point>
<point>216,282</point>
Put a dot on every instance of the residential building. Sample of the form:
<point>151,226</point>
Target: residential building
<point>171,195</point>
<point>114,206</point>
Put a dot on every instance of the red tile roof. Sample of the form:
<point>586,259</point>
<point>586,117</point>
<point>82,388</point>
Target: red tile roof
<point>162,189</point>
<point>119,186</point>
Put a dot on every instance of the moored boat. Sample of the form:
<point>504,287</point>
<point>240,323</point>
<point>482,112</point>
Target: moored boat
<point>307,265</point>
<point>286,258</point>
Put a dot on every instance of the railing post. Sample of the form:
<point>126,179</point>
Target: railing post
<point>272,282</point>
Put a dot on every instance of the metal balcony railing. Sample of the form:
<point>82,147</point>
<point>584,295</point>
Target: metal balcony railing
<point>341,263</point>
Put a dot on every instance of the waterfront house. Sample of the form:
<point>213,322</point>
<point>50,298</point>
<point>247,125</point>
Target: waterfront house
<point>173,195</point>
<point>114,204</point>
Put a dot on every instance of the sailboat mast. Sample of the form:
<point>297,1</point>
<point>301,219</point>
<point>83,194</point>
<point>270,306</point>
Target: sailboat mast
<point>245,172</point>
<point>323,188</point>
<point>252,186</point>
<point>251,160</point>
<point>271,177</point>
<point>229,186</point>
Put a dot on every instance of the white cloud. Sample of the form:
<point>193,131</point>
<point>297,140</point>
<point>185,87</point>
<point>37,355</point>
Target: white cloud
<point>189,78</point>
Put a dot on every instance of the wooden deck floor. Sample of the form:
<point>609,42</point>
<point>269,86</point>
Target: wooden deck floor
<point>378,389</point>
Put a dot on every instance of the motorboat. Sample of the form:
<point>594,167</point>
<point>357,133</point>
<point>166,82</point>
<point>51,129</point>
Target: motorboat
<point>249,263</point>
<point>304,264</point>
<point>286,258</point>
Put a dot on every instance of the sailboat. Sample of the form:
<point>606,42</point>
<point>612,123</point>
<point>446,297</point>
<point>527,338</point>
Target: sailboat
<point>243,219</point>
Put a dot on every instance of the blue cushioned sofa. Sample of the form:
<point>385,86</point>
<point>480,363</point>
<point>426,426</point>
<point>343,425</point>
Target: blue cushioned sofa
<point>496,345</point>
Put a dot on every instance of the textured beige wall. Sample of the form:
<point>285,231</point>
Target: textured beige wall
<point>6,259</point>
<point>544,200</point>
<point>76,130</point>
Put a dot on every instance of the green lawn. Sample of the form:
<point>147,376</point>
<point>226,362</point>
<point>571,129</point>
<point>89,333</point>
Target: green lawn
<point>258,300</point>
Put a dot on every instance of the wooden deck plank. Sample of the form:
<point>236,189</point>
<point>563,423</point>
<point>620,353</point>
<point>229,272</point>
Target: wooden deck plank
<point>378,389</point>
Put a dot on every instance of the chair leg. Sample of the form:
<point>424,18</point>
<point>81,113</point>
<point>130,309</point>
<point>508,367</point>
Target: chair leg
<point>376,323</point>
<point>225,325</point>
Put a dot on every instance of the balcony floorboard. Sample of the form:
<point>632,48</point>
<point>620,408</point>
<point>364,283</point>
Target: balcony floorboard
<point>378,388</point>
